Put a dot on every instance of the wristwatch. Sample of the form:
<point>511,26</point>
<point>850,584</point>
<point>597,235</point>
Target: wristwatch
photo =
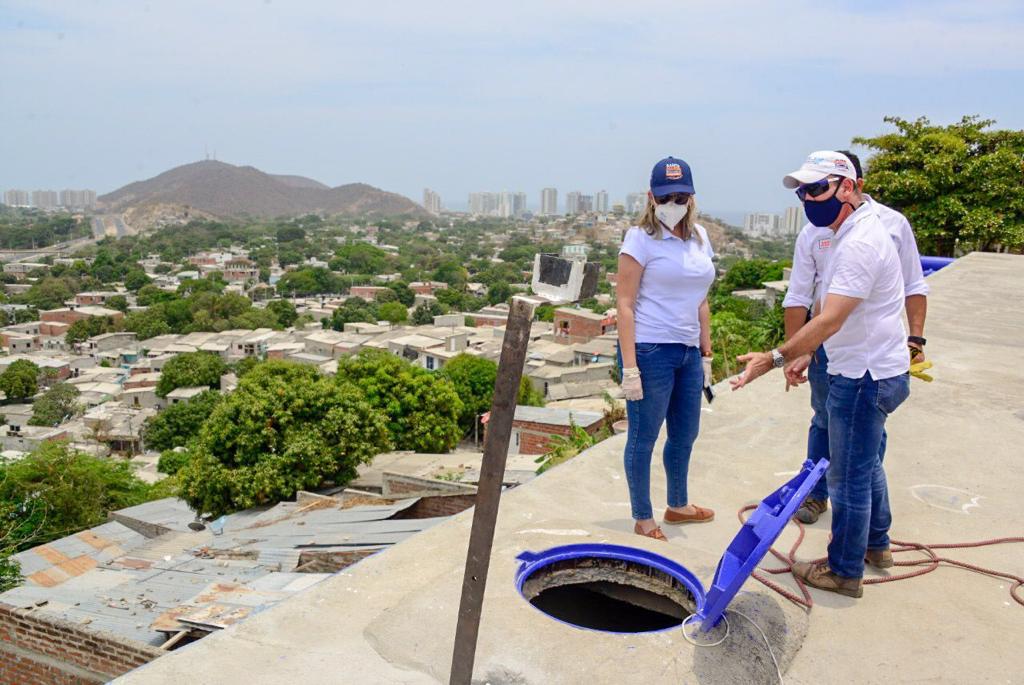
<point>917,340</point>
<point>778,361</point>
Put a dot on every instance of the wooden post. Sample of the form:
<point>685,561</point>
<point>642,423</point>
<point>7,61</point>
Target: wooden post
<point>492,474</point>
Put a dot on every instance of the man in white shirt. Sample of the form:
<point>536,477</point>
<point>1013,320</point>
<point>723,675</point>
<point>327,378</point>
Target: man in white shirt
<point>861,325</point>
<point>813,247</point>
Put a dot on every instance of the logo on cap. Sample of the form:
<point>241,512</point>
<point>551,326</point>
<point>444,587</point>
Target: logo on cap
<point>841,164</point>
<point>673,171</point>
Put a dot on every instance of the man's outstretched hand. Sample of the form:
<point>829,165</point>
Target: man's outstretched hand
<point>758,364</point>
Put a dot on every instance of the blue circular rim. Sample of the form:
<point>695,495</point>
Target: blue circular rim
<point>535,561</point>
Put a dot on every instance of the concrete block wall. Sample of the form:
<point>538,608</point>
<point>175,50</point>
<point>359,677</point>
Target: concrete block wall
<point>43,650</point>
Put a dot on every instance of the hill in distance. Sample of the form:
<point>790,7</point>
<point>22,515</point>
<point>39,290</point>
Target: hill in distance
<point>223,190</point>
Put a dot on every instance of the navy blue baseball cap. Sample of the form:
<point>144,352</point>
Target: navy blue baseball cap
<point>671,175</point>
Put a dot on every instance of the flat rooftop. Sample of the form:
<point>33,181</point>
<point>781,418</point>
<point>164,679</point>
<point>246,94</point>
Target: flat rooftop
<point>954,467</point>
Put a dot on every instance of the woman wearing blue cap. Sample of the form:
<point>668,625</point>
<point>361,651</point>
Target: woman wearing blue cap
<point>665,271</point>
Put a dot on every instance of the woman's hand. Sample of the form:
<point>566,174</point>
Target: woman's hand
<point>758,364</point>
<point>632,387</point>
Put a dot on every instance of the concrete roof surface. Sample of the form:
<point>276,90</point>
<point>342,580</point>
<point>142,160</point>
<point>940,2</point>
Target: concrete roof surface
<point>954,472</point>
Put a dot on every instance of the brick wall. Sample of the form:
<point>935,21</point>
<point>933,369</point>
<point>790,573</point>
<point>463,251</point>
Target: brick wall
<point>39,649</point>
<point>439,505</point>
<point>398,485</point>
<point>535,438</point>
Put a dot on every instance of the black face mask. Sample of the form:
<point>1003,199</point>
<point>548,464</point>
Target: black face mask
<point>825,213</point>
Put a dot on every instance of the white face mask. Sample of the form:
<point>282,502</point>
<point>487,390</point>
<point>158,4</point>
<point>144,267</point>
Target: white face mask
<point>671,214</point>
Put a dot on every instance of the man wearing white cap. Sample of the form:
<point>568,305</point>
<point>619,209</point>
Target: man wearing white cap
<point>861,326</point>
<point>813,247</point>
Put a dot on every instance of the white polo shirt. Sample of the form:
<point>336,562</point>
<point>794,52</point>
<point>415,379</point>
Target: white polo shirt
<point>864,264</point>
<point>676,278</point>
<point>813,246</point>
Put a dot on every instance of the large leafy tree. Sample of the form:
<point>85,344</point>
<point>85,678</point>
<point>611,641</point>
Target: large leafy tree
<point>422,408</point>
<point>56,491</point>
<point>176,425</point>
<point>190,370</point>
<point>57,404</point>
<point>473,379</point>
<point>20,380</point>
<point>961,186</point>
<point>285,428</point>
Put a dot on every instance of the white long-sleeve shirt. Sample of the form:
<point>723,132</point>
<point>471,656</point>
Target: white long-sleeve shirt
<point>814,246</point>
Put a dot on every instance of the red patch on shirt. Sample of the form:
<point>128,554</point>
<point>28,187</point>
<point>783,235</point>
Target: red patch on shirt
<point>824,243</point>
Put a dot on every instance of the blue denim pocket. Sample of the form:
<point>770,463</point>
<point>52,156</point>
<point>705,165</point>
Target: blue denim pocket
<point>646,348</point>
<point>892,392</point>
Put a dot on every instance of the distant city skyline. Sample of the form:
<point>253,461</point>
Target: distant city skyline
<point>462,96</point>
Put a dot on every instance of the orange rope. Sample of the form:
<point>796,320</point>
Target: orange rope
<point>930,563</point>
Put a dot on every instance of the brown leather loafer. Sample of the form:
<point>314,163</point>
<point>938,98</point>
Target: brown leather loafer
<point>702,515</point>
<point>821,577</point>
<point>656,533</point>
<point>879,558</point>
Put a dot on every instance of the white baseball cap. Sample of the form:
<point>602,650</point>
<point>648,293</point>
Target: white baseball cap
<point>819,165</point>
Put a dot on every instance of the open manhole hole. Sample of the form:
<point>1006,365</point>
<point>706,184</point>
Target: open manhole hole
<point>608,594</point>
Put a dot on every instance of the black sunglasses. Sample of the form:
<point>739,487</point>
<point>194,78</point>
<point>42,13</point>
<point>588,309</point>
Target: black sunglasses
<point>678,198</point>
<point>815,189</point>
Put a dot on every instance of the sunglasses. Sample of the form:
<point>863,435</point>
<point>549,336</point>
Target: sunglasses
<point>678,198</point>
<point>815,189</point>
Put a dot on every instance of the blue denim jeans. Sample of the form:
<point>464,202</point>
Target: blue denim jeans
<point>673,378</point>
<point>817,434</point>
<point>857,410</point>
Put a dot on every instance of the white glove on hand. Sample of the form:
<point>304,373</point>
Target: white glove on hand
<point>708,381</point>
<point>632,388</point>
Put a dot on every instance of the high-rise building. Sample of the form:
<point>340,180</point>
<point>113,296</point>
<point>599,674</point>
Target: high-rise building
<point>635,202</point>
<point>44,199</point>
<point>572,202</point>
<point>761,225</point>
<point>549,201</point>
<point>586,204</point>
<point>484,204</point>
<point>77,199</point>
<point>518,204</point>
<point>17,198</point>
<point>601,202</point>
<point>431,201</point>
<point>793,220</point>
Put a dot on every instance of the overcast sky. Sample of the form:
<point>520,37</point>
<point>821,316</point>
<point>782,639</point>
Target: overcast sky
<point>463,95</point>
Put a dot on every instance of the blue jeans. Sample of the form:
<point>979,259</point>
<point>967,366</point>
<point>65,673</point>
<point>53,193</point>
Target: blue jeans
<point>857,410</point>
<point>817,434</point>
<point>673,378</point>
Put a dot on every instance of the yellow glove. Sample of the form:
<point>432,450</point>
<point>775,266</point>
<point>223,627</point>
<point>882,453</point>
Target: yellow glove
<point>918,371</point>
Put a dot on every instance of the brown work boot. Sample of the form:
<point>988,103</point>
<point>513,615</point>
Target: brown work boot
<point>879,558</point>
<point>821,577</point>
<point>811,510</point>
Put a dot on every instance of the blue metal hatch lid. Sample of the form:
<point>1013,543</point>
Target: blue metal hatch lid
<point>755,538</point>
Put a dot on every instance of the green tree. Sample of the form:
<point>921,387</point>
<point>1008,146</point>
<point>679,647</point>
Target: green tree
<point>284,311</point>
<point>424,314</point>
<point>148,323</point>
<point>49,293</point>
<point>393,312</point>
<point>135,279</point>
<point>355,309</point>
<point>284,429</point>
<point>20,380</point>
<point>150,294</point>
<point>473,379</point>
<point>422,408</point>
<point>749,274</point>
<point>56,491</point>
<point>191,369</point>
<point>176,425</point>
<point>529,395</point>
<point>118,302</point>
<point>359,258</point>
<point>56,405</point>
<point>172,461</point>
<point>84,329</point>
<point>961,186</point>
<point>405,294</point>
<point>498,293</point>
